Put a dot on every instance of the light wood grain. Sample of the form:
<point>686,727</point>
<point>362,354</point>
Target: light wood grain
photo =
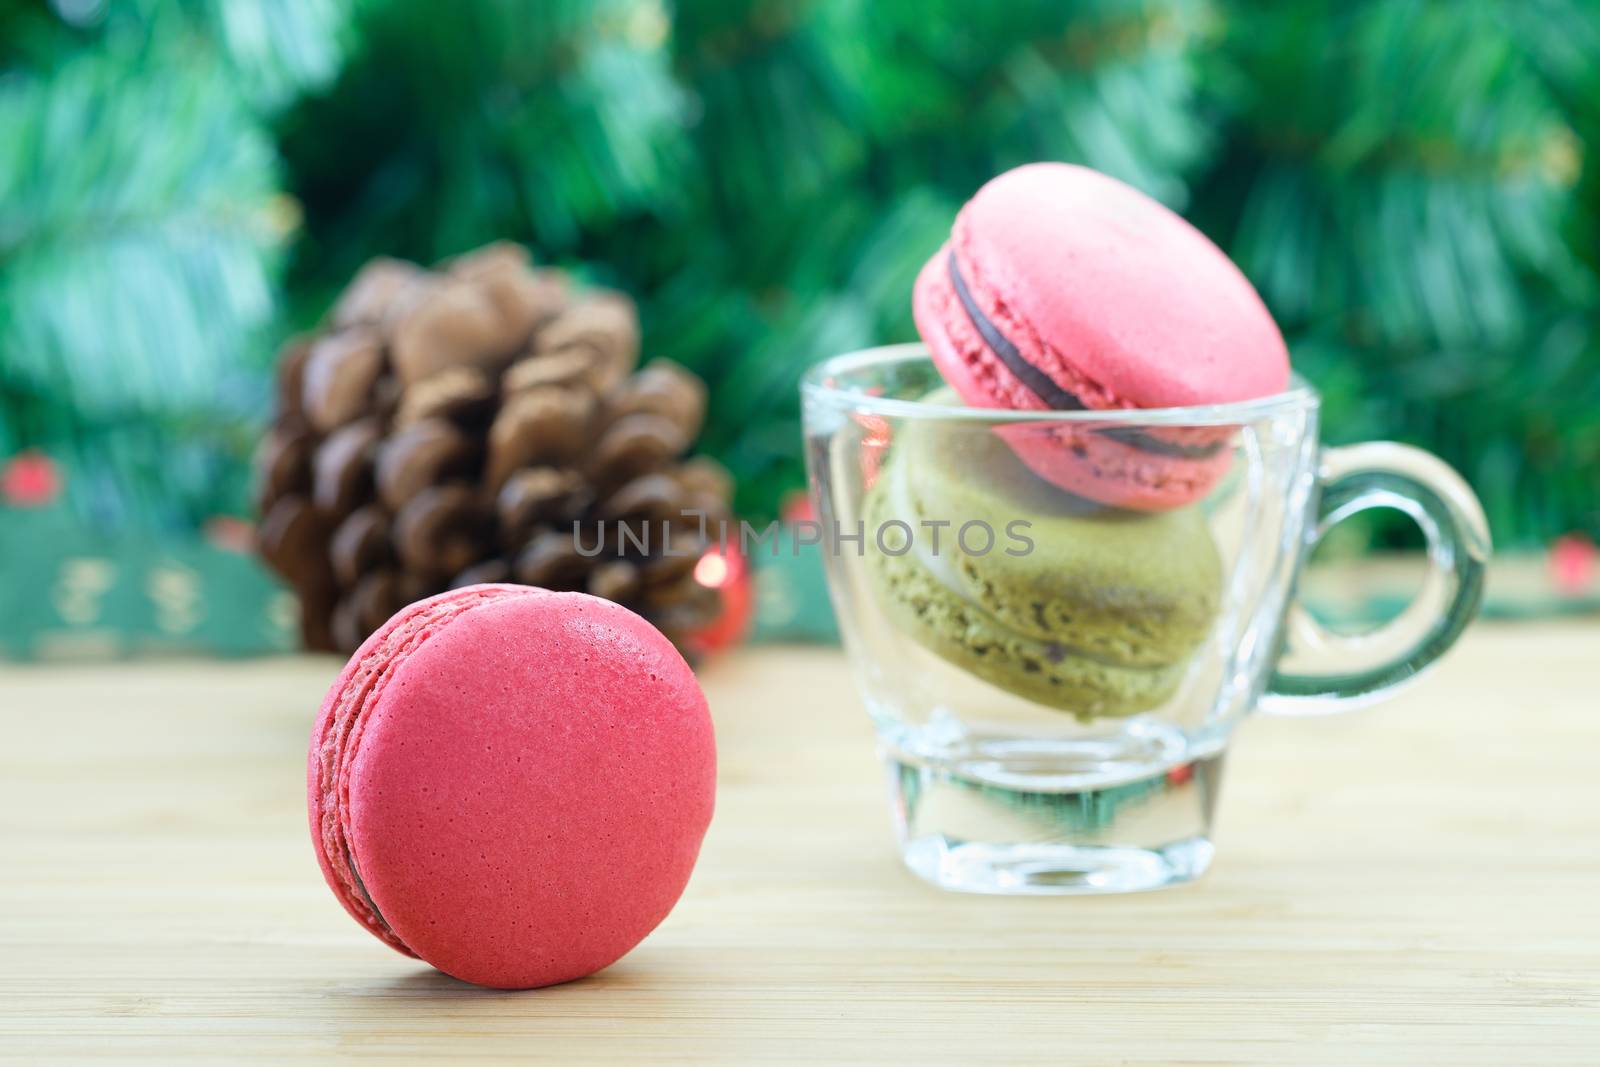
<point>1419,883</point>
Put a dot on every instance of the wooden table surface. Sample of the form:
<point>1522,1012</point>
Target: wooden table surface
<point>1418,883</point>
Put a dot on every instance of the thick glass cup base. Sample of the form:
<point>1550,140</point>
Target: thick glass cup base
<point>1054,870</point>
<point>963,833</point>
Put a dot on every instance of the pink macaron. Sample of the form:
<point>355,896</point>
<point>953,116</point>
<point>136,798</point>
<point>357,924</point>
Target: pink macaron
<point>512,784</point>
<point>1063,289</point>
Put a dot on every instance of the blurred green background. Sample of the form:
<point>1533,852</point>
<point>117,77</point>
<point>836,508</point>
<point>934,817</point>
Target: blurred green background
<point>183,183</point>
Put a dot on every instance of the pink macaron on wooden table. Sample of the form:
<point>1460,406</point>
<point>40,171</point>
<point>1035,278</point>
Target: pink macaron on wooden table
<point>511,784</point>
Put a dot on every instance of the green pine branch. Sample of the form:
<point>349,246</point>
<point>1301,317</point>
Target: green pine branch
<point>140,230</point>
<point>550,123</point>
<point>1410,187</point>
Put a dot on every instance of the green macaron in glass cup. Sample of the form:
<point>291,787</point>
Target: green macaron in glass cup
<point>1062,538</point>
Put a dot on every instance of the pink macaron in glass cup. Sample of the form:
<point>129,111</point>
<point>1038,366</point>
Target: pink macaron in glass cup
<point>1063,538</point>
<point>1061,289</point>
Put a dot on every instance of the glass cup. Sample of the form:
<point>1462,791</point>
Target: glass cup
<point>1057,618</point>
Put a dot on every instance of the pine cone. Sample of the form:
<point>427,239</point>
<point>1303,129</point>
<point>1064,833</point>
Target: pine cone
<point>483,422</point>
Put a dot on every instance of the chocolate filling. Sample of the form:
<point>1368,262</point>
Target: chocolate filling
<point>1044,387</point>
<point>350,858</point>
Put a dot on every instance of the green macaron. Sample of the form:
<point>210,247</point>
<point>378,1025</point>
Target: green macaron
<point>1083,608</point>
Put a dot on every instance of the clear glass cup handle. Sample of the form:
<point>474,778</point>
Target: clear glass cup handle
<point>1387,475</point>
